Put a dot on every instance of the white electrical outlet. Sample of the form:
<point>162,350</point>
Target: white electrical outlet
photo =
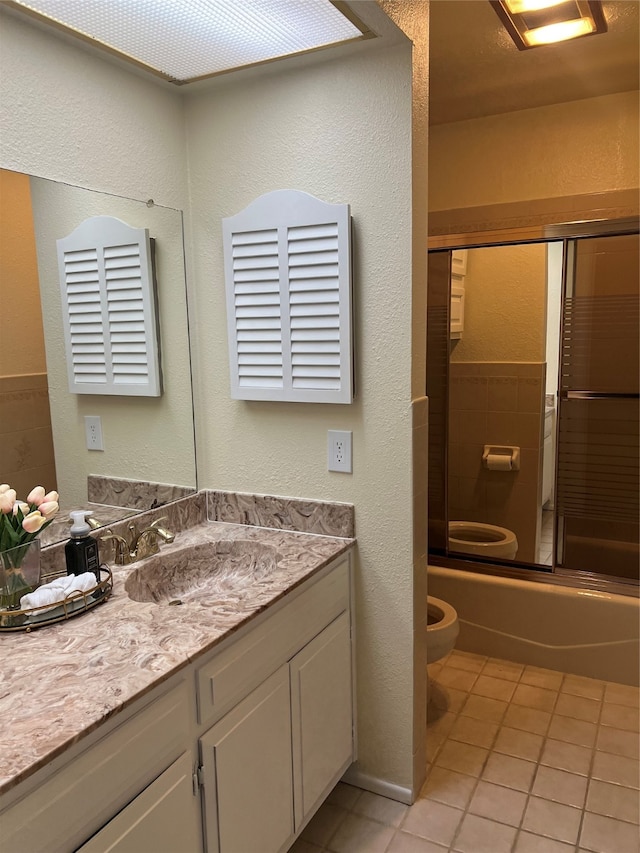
<point>339,450</point>
<point>93,432</point>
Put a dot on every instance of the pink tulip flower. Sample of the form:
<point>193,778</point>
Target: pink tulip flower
<point>4,487</point>
<point>48,508</point>
<point>34,521</point>
<point>21,505</point>
<point>7,500</point>
<point>51,496</point>
<point>36,496</point>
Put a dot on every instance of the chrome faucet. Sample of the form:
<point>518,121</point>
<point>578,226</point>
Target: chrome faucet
<point>140,544</point>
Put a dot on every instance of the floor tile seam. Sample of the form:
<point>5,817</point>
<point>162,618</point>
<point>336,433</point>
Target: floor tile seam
<point>374,819</point>
<point>495,736</point>
<point>619,728</point>
<point>580,695</point>
<point>572,742</point>
<point>612,817</point>
<point>327,843</point>
<point>582,719</point>
<point>543,796</point>
<point>591,749</point>
<point>581,824</point>
<point>575,843</point>
<point>466,811</point>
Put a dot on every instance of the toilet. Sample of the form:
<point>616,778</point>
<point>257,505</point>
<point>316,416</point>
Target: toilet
<point>482,540</point>
<point>442,628</point>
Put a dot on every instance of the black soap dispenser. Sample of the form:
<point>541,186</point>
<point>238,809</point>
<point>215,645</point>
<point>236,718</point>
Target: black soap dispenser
<point>81,551</point>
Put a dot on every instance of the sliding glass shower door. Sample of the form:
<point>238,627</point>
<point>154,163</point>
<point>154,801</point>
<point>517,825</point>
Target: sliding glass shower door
<point>597,480</point>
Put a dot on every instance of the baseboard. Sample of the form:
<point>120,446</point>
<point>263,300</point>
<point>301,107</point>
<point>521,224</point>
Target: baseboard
<point>356,777</point>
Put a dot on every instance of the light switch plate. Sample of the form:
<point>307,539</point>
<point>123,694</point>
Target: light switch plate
<point>339,450</point>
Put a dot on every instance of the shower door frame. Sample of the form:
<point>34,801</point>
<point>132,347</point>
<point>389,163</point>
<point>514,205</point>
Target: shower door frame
<point>601,214</point>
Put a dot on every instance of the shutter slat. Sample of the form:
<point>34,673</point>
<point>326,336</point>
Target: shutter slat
<point>308,232</point>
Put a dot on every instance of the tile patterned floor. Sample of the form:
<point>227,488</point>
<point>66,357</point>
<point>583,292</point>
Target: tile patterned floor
<point>521,760</point>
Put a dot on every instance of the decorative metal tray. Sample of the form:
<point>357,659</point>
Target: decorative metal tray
<point>74,604</point>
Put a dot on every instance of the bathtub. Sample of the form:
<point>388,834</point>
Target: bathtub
<point>595,634</point>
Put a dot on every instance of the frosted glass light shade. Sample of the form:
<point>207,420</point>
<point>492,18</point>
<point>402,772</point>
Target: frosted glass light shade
<point>190,39</point>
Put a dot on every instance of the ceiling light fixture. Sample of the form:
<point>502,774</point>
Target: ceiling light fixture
<point>187,40</point>
<point>532,23</point>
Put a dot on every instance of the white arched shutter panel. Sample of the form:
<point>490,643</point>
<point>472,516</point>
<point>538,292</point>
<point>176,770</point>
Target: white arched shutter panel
<point>109,309</point>
<point>288,281</point>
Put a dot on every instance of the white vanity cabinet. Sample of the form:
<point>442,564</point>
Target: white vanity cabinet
<point>78,793</point>
<point>268,763</point>
<point>232,754</point>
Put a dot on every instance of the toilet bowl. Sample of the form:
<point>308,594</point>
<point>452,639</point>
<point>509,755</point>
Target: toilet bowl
<point>442,628</point>
<point>483,540</point>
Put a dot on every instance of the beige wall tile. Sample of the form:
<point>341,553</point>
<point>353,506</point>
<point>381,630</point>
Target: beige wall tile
<point>502,394</point>
<point>530,394</point>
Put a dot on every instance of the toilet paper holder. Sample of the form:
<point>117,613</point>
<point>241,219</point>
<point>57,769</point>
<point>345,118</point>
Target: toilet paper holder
<point>501,457</point>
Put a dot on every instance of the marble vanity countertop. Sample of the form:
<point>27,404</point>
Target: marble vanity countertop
<point>59,683</point>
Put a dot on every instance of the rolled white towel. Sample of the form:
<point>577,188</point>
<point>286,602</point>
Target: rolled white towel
<point>53,593</point>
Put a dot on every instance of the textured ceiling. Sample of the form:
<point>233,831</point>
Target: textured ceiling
<point>476,69</point>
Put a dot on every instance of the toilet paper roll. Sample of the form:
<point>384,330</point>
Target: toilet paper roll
<point>498,462</point>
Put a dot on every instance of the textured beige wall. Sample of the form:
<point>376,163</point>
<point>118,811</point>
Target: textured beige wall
<point>565,149</point>
<point>340,130</point>
<point>505,305</point>
<point>68,115</point>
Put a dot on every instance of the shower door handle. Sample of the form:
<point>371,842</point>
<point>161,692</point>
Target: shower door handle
<point>599,395</point>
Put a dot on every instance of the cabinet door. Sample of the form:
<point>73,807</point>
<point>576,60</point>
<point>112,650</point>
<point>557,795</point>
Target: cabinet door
<point>248,784</point>
<point>321,708</point>
<point>164,818</point>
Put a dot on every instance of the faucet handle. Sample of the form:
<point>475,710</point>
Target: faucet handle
<point>162,532</point>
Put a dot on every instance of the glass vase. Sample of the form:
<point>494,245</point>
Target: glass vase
<point>19,573</point>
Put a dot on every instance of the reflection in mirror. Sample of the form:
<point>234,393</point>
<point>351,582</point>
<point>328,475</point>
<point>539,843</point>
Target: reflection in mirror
<point>538,446</point>
<point>43,427</point>
<point>502,381</point>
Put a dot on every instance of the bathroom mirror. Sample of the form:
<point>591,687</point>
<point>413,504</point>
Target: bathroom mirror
<point>146,439</point>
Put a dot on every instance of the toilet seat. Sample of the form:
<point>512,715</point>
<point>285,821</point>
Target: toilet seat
<point>442,628</point>
<point>483,540</point>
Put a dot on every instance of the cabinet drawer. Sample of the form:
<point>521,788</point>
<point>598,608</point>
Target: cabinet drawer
<point>234,672</point>
<point>79,798</point>
<point>164,818</point>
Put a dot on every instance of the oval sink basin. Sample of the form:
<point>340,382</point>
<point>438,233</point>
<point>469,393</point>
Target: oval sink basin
<point>212,572</point>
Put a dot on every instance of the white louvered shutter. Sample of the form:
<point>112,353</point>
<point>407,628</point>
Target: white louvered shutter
<point>109,309</point>
<point>288,281</point>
